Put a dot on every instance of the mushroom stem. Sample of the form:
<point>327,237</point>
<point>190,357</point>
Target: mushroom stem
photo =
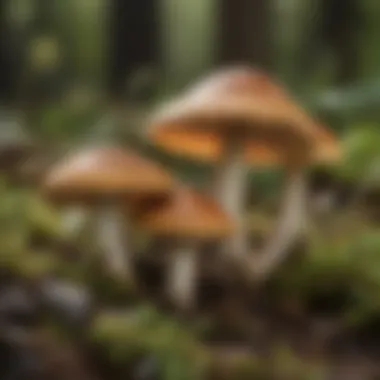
<point>290,223</point>
<point>113,236</point>
<point>182,277</point>
<point>73,220</point>
<point>231,193</point>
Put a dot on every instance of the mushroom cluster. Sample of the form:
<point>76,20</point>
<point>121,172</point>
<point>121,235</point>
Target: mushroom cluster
<point>106,179</point>
<point>240,117</point>
<point>237,118</point>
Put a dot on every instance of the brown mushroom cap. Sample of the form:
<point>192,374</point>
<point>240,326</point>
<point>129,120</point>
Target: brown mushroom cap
<point>326,150</point>
<point>233,102</point>
<point>187,214</point>
<point>106,172</point>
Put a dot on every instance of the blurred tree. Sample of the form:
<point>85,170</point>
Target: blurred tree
<point>246,32</point>
<point>10,63</point>
<point>44,10</point>
<point>187,39</point>
<point>335,30</point>
<point>45,71</point>
<point>81,28</point>
<point>133,41</point>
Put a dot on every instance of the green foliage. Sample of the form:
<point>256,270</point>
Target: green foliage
<point>80,26</point>
<point>145,331</point>
<point>347,261</point>
<point>365,278</point>
<point>74,44</point>
<point>286,364</point>
<point>68,121</point>
<point>23,213</point>
<point>361,154</point>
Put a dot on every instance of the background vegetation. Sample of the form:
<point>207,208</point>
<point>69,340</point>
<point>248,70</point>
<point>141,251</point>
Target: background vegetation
<point>78,71</point>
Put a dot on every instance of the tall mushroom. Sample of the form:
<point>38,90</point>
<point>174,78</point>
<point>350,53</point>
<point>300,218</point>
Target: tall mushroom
<point>326,151</point>
<point>105,177</point>
<point>187,218</point>
<point>222,119</point>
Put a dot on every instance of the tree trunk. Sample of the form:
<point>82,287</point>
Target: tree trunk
<point>245,34</point>
<point>9,65</point>
<point>188,34</point>
<point>341,24</point>
<point>133,41</point>
<point>335,28</point>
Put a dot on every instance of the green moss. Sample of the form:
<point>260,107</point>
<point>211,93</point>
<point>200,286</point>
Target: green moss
<point>42,217</point>
<point>27,265</point>
<point>345,263</point>
<point>109,290</point>
<point>347,258</point>
<point>144,330</point>
<point>361,148</point>
<point>247,367</point>
<point>37,266</point>
<point>287,364</point>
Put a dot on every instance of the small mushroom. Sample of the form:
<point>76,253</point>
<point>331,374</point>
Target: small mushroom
<point>188,218</point>
<point>235,112</point>
<point>105,178</point>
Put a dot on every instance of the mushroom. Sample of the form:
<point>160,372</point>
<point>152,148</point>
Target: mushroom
<point>105,177</point>
<point>187,218</point>
<point>326,150</point>
<point>234,112</point>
